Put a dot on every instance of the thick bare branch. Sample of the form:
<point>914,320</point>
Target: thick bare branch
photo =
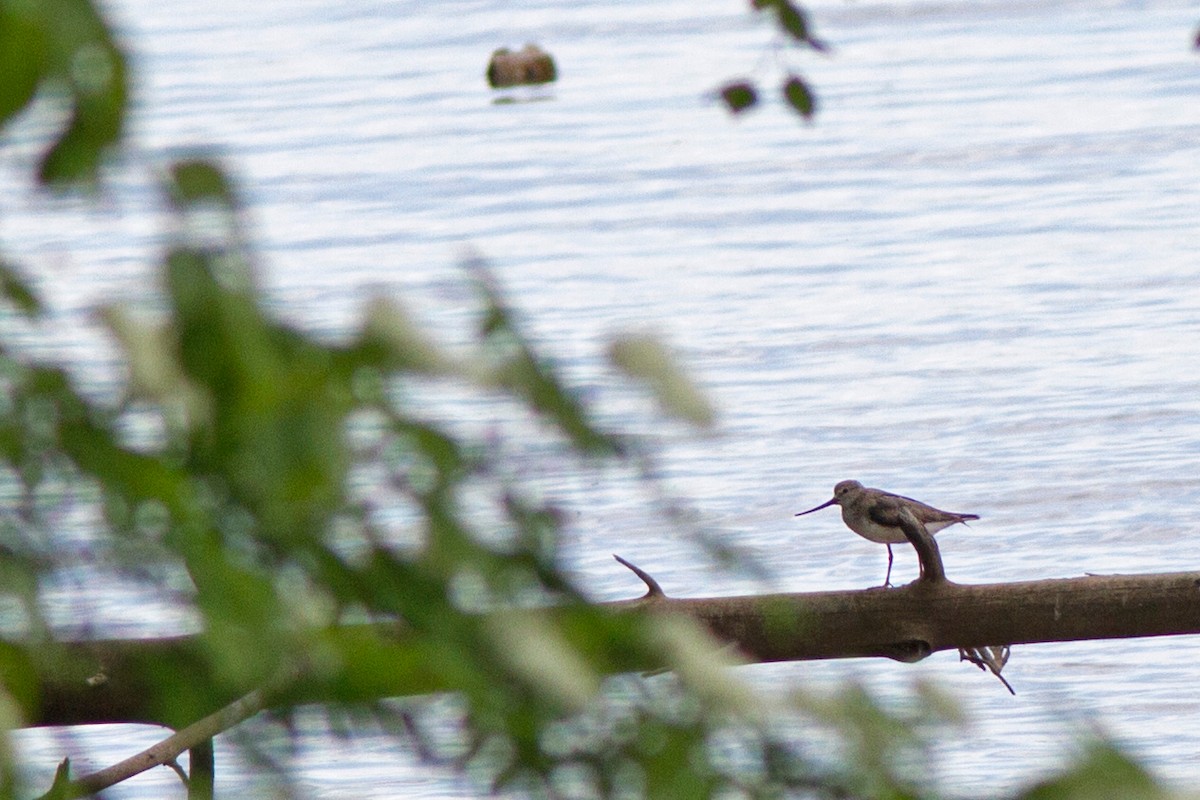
<point>106,681</point>
<point>913,621</point>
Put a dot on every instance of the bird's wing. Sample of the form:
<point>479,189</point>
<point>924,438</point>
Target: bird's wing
<point>886,511</point>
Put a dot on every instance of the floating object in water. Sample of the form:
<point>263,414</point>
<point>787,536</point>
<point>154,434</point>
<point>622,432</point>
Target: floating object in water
<point>529,66</point>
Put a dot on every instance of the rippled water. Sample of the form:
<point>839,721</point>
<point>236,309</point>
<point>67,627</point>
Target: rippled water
<point>973,280</point>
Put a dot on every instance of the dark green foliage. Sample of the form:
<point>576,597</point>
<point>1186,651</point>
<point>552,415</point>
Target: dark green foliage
<point>739,96</point>
<point>23,57</point>
<point>199,181</point>
<point>799,96</point>
<point>62,780</point>
<point>1103,771</point>
<point>16,291</point>
<point>518,369</point>
<point>64,49</point>
<point>792,20</point>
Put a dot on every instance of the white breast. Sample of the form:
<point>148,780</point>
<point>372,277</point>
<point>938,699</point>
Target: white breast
<point>873,531</point>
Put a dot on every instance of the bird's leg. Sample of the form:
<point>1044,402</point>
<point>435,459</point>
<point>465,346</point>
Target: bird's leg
<point>887,581</point>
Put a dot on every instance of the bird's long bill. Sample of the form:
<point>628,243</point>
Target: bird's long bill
<point>826,504</point>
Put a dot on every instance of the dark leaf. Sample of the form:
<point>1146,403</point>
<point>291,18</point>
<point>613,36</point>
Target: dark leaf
<point>95,72</point>
<point>739,96</point>
<point>18,292</point>
<point>794,20</point>
<point>22,59</point>
<point>799,96</point>
<point>76,157</point>
<point>198,181</point>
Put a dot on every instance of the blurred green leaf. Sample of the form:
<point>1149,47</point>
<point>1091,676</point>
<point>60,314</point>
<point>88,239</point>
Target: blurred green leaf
<point>14,288</point>
<point>154,372</point>
<point>881,744</point>
<point>199,181</point>
<point>61,787</point>
<point>739,96</point>
<point>706,667</point>
<point>1102,772</point>
<point>23,56</point>
<point>646,358</point>
<point>65,48</point>
<point>83,57</point>
<point>793,19</point>
<point>799,96</point>
<point>538,653</point>
<point>528,377</point>
<point>389,323</point>
<point>516,367</point>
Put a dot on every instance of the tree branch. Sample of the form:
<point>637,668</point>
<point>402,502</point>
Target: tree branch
<point>907,623</point>
<point>165,752</point>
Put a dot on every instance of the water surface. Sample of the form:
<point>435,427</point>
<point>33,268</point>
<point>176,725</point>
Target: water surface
<point>973,280</point>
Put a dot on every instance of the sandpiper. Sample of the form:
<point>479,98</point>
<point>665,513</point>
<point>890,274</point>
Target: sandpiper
<point>871,514</point>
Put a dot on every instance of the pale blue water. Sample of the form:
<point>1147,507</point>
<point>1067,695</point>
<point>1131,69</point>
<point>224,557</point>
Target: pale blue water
<point>973,280</point>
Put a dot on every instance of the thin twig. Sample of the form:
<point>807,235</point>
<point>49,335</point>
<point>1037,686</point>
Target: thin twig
<point>174,764</point>
<point>654,590</point>
<point>165,752</point>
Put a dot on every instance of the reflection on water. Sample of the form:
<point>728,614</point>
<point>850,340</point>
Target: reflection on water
<point>972,280</point>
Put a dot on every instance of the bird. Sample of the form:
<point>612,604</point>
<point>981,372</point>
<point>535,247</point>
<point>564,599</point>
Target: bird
<point>871,514</point>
